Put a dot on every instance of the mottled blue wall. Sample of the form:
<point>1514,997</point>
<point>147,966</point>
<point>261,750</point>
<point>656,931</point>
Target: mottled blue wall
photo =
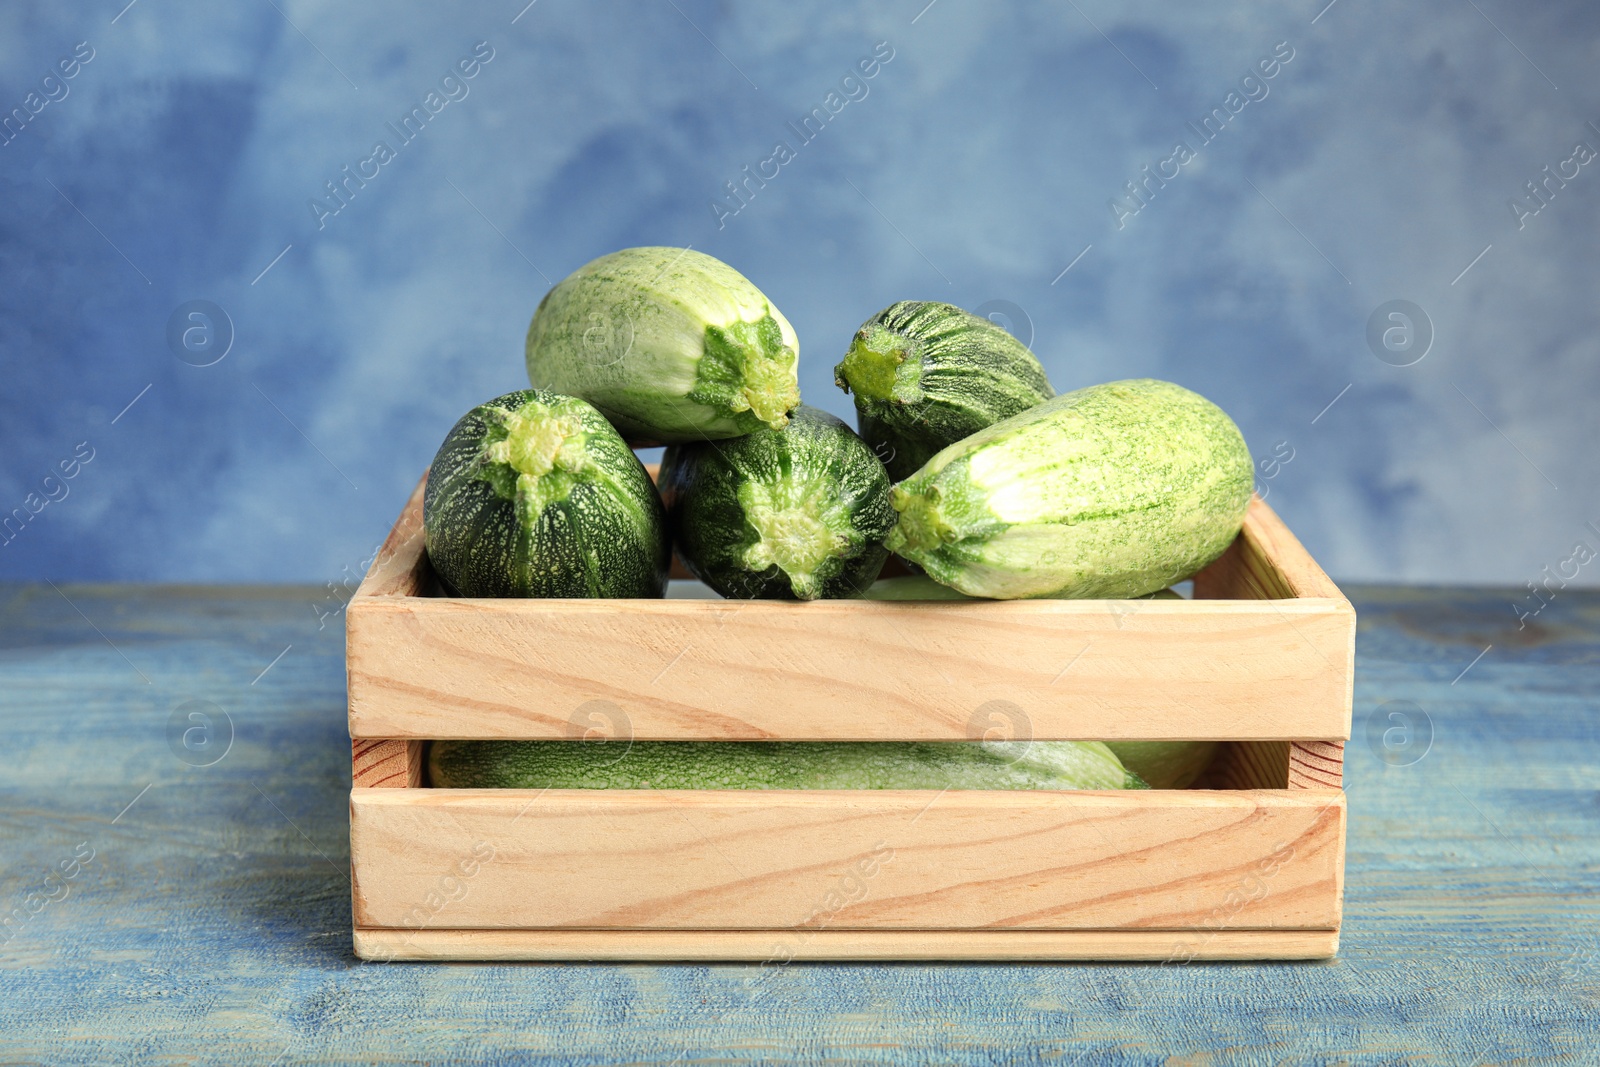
<point>1379,162</point>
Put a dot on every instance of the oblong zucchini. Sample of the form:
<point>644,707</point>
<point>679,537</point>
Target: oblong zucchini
<point>777,765</point>
<point>1112,491</point>
<point>797,513</point>
<point>911,587</point>
<point>670,344</point>
<point>926,374</point>
<point>921,587</point>
<point>535,495</point>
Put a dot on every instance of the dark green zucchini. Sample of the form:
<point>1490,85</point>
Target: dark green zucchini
<point>791,514</point>
<point>536,495</point>
<point>926,374</point>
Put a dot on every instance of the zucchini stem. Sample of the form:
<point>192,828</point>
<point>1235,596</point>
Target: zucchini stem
<point>922,526</point>
<point>797,530</point>
<point>535,455</point>
<point>882,366</point>
<point>747,367</point>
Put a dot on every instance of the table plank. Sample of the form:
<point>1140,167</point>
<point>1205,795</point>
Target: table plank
<point>213,920</point>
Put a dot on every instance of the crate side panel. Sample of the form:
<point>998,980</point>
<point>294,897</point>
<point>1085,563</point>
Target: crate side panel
<point>851,670</point>
<point>846,860</point>
<point>1248,765</point>
<point>1265,562</point>
<point>399,567</point>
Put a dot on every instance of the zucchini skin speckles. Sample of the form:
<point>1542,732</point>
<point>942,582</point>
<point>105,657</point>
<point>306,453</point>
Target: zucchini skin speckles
<point>798,513</point>
<point>777,765</point>
<point>534,494</point>
<point>669,344</point>
<point>1116,490</point>
<point>925,375</point>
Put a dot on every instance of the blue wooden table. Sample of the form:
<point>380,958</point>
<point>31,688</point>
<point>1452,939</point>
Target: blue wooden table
<point>175,904</point>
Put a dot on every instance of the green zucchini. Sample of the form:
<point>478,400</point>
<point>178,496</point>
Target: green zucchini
<point>1165,764</point>
<point>921,587</point>
<point>911,587</point>
<point>535,495</point>
<point>926,374</point>
<point>797,513</point>
<point>777,765</point>
<point>670,344</point>
<point>1112,491</point>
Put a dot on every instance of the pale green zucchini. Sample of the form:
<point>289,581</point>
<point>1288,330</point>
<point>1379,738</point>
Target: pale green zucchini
<point>670,344</point>
<point>1114,491</point>
<point>777,765</point>
<point>921,587</point>
<point>911,587</point>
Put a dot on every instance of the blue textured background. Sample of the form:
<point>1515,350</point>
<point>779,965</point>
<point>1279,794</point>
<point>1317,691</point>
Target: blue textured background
<point>182,159</point>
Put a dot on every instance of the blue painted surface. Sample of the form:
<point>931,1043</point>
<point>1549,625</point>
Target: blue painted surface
<point>212,922</point>
<point>1378,163</point>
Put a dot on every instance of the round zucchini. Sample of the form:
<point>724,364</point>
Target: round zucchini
<point>791,514</point>
<point>926,374</point>
<point>670,345</point>
<point>1112,491</point>
<point>777,765</point>
<point>536,495</point>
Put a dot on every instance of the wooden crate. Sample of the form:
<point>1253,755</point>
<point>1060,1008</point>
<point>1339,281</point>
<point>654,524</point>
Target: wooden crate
<point>1249,867</point>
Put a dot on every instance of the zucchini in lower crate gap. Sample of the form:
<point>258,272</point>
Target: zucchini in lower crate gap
<point>797,513</point>
<point>777,765</point>
<point>535,495</point>
<point>1165,764</point>
<point>926,374</point>
<point>670,344</point>
<point>1111,491</point>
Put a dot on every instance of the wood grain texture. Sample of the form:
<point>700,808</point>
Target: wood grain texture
<point>401,566</point>
<point>1276,765</point>
<point>386,764</point>
<point>1266,562</point>
<point>434,667</point>
<point>214,922</point>
<point>1315,764</point>
<point>863,859</point>
<point>773,949</point>
<point>1248,765</point>
<point>850,670</point>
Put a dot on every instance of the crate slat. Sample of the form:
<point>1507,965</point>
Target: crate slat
<point>1217,669</point>
<point>846,670</point>
<point>864,859</point>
